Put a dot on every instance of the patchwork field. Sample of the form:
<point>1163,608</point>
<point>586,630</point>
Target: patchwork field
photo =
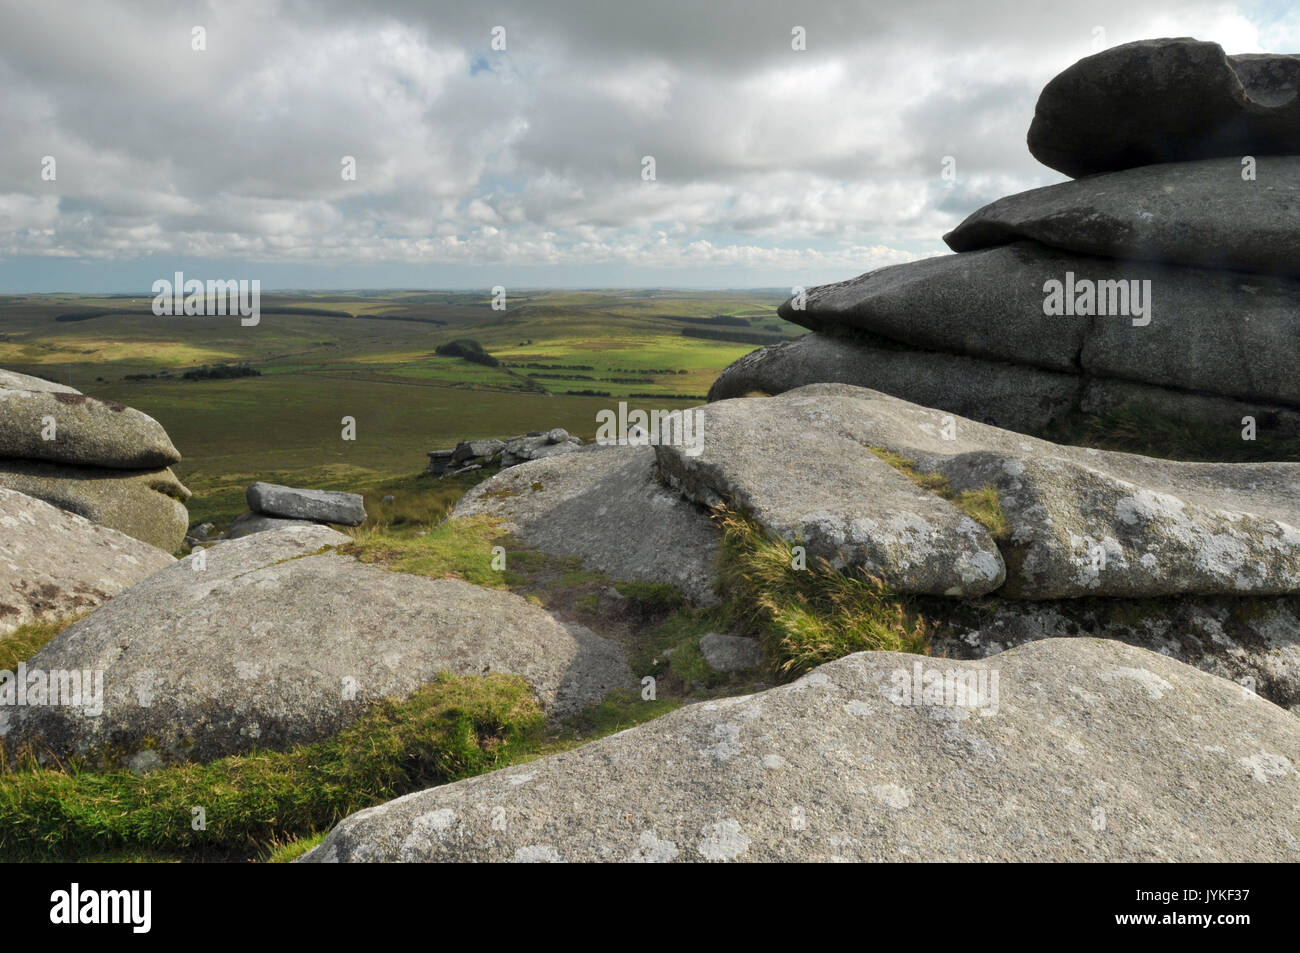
<point>370,356</point>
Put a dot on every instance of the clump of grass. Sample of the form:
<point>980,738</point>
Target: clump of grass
<point>808,616</point>
<point>29,638</point>
<point>453,728</point>
<point>455,547</point>
<point>981,505</point>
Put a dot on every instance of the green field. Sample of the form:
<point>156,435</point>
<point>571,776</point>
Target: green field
<point>372,358</point>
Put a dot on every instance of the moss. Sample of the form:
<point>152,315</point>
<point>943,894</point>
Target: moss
<point>982,505</point>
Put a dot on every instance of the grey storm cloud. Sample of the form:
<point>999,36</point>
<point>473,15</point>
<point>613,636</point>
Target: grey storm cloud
<point>769,161</point>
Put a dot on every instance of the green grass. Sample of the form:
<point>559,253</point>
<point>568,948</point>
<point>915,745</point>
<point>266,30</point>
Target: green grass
<point>806,617</point>
<point>28,639</point>
<point>456,727</point>
<point>981,505</point>
<point>459,547</point>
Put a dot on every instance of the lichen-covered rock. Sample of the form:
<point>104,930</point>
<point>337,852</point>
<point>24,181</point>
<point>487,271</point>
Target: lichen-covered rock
<point>146,504</point>
<point>1254,642</point>
<point>1079,522</point>
<point>799,469</point>
<point>1060,750</point>
<point>246,524</point>
<point>271,641</point>
<point>73,428</point>
<point>1192,213</point>
<point>12,380</point>
<point>54,563</point>
<point>1166,100</point>
<point>604,505</point>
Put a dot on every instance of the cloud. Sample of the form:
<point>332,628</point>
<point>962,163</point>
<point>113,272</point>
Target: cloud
<point>771,164</point>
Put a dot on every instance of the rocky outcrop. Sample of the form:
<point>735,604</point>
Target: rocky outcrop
<point>606,506</point>
<point>272,640</point>
<point>73,428</point>
<point>1185,213</point>
<point>801,471</point>
<point>877,757</point>
<point>474,454</point>
<point>96,458</point>
<point>146,504</point>
<point>1078,522</point>
<point>1168,282</point>
<point>54,564</point>
<point>1166,100</point>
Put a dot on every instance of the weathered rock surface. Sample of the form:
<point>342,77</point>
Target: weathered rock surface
<point>261,649</point>
<point>12,380</point>
<point>146,504</point>
<point>54,563</point>
<point>840,765</point>
<point>319,506</point>
<point>1254,642</point>
<point>246,524</point>
<point>605,506</point>
<point>1191,213</point>
<point>85,430</point>
<point>1222,333</point>
<point>1166,100</point>
<point>799,468</point>
<point>1005,395</point>
<point>729,653</point>
<point>1080,522</point>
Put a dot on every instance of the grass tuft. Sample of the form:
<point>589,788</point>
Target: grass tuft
<point>808,616</point>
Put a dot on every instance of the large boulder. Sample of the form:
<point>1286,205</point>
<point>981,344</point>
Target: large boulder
<point>271,641</point>
<point>12,380</point>
<point>81,430</point>
<point>1166,100</point>
<point>1005,395</point>
<point>146,504</point>
<point>1075,750</point>
<point>1193,213</point>
<point>246,524</point>
<point>1078,521</point>
<point>320,506</point>
<point>1219,332</point>
<point>799,468</point>
<point>605,506</point>
<point>54,563</point>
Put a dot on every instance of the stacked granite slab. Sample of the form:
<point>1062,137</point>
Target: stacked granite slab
<point>1166,275</point>
<point>96,458</point>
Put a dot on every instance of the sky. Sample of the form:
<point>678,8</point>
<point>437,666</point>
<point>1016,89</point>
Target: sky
<point>525,166</point>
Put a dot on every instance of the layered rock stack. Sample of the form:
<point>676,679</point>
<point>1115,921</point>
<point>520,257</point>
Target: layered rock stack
<point>96,458</point>
<point>1166,275</point>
